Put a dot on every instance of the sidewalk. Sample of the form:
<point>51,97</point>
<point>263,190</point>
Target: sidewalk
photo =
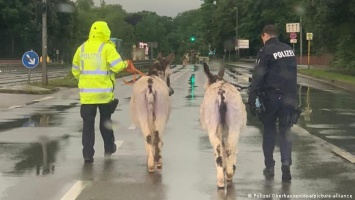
<point>20,98</point>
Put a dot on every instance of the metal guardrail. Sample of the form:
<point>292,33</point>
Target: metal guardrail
<point>250,60</point>
<point>139,64</point>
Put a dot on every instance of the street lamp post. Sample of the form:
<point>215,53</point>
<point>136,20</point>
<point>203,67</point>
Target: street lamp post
<point>44,43</point>
<point>301,52</point>
<point>300,10</point>
<point>236,34</point>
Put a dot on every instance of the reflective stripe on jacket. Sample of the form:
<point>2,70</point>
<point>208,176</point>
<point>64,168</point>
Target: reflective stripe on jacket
<point>94,65</point>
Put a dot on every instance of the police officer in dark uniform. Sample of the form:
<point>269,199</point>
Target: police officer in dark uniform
<point>274,84</point>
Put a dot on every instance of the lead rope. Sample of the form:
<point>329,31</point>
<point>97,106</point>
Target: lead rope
<point>136,71</point>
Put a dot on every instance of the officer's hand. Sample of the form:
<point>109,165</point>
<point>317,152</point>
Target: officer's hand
<point>130,68</point>
<point>252,108</point>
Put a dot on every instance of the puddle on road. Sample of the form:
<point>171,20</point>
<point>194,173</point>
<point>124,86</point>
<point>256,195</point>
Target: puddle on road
<point>36,120</point>
<point>44,119</point>
<point>36,158</point>
<point>329,116</point>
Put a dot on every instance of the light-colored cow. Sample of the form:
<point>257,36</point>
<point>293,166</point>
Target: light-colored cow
<point>150,107</point>
<point>223,115</point>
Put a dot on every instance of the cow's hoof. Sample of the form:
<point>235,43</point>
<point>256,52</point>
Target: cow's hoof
<point>150,169</point>
<point>220,184</point>
<point>229,177</point>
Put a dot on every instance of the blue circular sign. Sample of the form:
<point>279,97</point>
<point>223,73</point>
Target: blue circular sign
<point>30,59</point>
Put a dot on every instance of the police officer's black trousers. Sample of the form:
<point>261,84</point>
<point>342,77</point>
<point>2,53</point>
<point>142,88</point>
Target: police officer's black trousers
<point>276,109</point>
<point>88,113</point>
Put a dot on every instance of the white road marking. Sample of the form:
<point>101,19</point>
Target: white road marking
<point>180,74</point>
<point>118,143</point>
<point>132,127</point>
<point>15,106</point>
<point>79,186</point>
<point>43,99</point>
<point>75,191</point>
<point>343,154</point>
<point>36,100</point>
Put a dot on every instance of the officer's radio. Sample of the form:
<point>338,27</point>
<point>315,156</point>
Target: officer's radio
<point>259,105</point>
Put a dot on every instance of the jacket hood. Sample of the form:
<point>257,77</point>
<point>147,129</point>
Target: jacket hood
<point>99,32</point>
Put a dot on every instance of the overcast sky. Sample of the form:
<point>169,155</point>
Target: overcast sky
<point>162,7</point>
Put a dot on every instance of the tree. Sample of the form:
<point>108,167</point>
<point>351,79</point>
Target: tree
<point>154,28</point>
<point>18,27</point>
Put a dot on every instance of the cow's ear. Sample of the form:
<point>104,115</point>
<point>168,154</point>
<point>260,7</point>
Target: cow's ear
<point>221,72</point>
<point>160,56</point>
<point>207,72</point>
<point>170,58</point>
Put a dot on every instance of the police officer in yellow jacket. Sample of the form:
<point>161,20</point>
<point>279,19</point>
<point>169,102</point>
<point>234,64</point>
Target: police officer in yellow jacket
<point>94,65</point>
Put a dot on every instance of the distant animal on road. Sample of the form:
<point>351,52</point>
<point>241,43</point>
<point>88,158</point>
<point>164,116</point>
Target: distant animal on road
<point>223,115</point>
<point>150,108</point>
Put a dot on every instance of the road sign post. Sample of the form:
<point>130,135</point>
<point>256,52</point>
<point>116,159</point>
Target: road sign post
<point>30,60</point>
<point>293,39</point>
<point>57,52</point>
<point>295,28</point>
<point>309,38</point>
<point>44,43</point>
<point>152,45</point>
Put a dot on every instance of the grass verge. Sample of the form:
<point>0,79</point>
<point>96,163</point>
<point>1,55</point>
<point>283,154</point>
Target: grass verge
<point>330,75</point>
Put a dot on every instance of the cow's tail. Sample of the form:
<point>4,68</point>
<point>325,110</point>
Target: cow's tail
<point>150,95</point>
<point>222,112</point>
<point>222,107</point>
<point>222,128</point>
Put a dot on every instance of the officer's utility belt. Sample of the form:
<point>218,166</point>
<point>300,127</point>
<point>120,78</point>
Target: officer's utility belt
<point>273,91</point>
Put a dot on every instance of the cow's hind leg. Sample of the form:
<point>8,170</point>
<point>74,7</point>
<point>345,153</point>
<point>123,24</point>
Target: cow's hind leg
<point>231,153</point>
<point>219,153</point>
<point>158,143</point>
<point>149,148</point>
<point>158,147</point>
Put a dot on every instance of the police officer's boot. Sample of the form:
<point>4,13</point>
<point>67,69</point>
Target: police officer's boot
<point>286,174</point>
<point>269,171</point>
<point>110,151</point>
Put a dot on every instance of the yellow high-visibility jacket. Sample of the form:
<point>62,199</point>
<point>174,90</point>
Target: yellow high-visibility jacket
<point>94,65</point>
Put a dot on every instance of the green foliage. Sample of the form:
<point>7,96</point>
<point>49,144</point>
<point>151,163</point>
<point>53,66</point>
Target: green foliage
<point>214,26</point>
<point>17,26</point>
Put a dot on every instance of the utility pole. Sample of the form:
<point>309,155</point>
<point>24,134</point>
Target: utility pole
<point>44,43</point>
<point>236,34</point>
<point>301,40</point>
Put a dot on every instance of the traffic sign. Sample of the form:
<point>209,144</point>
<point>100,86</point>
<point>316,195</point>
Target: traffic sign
<point>293,41</point>
<point>293,35</point>
<point>242,44</point>
<point>30,59</point>
<point>309,36</point>
<point>292,27</point>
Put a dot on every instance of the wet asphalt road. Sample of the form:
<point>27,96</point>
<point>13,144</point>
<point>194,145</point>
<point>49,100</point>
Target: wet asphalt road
<point>40,153</point>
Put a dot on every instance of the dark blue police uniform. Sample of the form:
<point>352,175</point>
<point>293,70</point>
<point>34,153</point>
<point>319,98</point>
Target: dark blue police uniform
<point>275,81</point>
